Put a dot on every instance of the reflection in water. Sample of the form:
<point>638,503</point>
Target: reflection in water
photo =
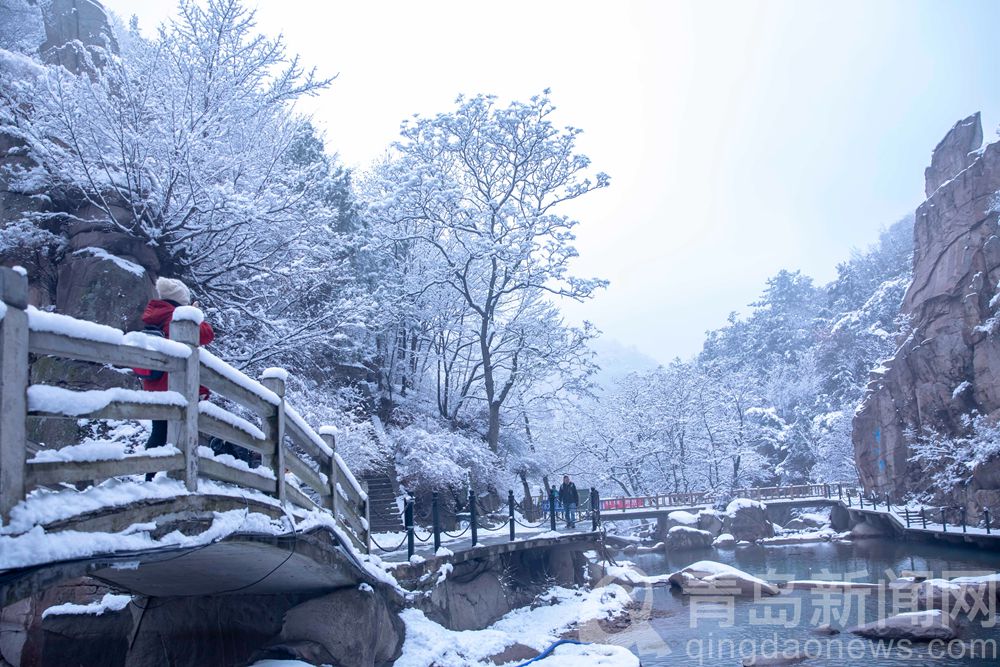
<point>715,632</point>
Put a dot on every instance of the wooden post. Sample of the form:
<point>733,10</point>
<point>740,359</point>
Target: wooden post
<point>13,388</point>
<point>334,471</point>
<point>274,432</point>
<point>184,433</point>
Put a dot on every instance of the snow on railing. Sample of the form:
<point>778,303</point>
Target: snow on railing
<point>311,468</point>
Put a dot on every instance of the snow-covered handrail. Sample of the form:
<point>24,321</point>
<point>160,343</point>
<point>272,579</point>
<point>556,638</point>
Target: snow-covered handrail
<point>312,475</point>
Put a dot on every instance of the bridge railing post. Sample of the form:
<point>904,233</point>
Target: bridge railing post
<point>274,432</point>
<point>13,389</point>
<point>408,524</point>
<point>334,471</point>
<point>185,327</point>
<point>367,538</point>
<point>510,508</point>
<point>595,509</point>
<point>552,509</point>
<point>964,528</point>
<point>986,516</point>
<point>436,520</point>
<point>923,517</point>
<point>473,520</point>
<point>944,526</point>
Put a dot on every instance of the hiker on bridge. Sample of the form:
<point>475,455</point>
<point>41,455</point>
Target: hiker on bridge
<point>570,498</point>
<point>171,295</point>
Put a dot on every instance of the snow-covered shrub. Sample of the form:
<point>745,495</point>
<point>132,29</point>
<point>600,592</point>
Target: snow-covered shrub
<point>951,459</point>
<point>430,457</point>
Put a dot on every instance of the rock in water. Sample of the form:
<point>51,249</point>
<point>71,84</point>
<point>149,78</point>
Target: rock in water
<point>949,365</point>
<point>709,577</point>
<point>710,520</point>
<point>917,626</point>
<point>747,520</point>
<point>724,541</point>
<point>682,537</point>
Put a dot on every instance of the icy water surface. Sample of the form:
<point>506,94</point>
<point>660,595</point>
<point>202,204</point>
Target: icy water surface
<point>715,633</point>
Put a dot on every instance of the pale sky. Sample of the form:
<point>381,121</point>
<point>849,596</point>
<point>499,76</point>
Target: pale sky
<point>741,137</point>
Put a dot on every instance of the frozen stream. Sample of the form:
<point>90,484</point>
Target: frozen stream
<point>718,633</point>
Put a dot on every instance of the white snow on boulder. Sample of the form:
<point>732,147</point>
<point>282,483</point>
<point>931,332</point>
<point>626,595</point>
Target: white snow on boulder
<point>682,518</point>
<point>724,541</point>
<point>921,626</point>
<point>709,577</point>
<point>743,503</point>
<point>123,264</point>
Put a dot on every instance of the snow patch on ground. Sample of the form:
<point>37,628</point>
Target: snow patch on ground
<point>428,643</point>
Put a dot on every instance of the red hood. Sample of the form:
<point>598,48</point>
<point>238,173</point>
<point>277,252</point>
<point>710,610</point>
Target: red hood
<point>158,313</point>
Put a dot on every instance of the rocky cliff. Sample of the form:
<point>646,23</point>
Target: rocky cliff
<point>77,265</point>
<point>949,364</point>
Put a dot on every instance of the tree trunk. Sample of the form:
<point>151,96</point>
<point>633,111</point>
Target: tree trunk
<point>493,433</point>
<point>528,506</point>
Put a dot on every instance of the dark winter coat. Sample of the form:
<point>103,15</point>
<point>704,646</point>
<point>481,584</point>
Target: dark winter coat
<point>158,314</point>
<point>568,494</point>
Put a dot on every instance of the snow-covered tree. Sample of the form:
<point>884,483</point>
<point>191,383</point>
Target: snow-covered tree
<point>470,205</point>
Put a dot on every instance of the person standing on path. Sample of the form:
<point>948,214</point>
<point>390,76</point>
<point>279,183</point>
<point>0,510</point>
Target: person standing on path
<point>172,294</point>
<point>570,498</point>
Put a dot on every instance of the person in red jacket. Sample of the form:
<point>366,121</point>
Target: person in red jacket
<point>156,317</point>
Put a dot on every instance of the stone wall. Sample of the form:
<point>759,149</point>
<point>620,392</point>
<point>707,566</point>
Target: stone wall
<point>949,365</point>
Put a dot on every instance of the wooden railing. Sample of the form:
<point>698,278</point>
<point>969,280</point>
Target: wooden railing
<point>839,491</point>
<point>654,502</point>
<point>797,491</point>
<point>300,466</point>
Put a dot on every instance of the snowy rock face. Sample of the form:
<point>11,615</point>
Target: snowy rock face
<point>952,155</point>
<point>949,365</point>
<point>73,25</point>
<point>746,519</point>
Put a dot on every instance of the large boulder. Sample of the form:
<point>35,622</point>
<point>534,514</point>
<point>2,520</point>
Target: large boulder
<point>469,604</point>
<point>916,626</point>
<point>76,33</point>
<point>680,538</point>
<point>707,577</point>
<point>949,365</point>
<point>746,519</point>
<point>353,627</point>
<point>710,520</point>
